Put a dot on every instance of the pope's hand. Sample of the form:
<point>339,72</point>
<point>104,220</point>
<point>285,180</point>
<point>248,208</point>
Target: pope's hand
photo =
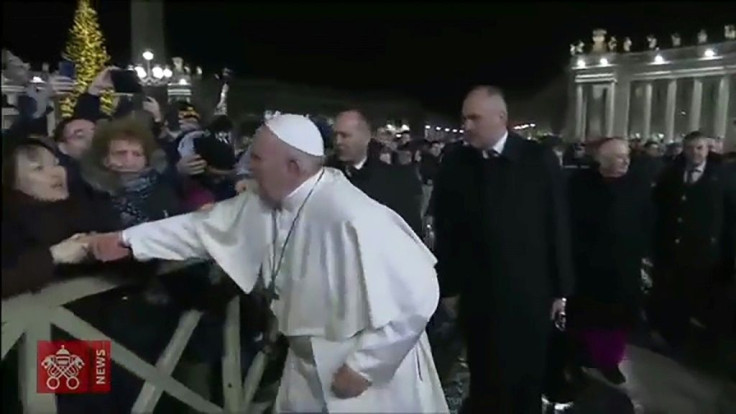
<point>348,384</point>
<point>108,247</point>
<point>206,207</point>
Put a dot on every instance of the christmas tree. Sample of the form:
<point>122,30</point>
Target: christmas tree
<point>86,49</point>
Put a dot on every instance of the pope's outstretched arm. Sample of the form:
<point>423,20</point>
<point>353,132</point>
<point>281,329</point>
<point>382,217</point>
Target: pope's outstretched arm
<point>174,238</point>
<point>407,267</point>
<point>195,235</point>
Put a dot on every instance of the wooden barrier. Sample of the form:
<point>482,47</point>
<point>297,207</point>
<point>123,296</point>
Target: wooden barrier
<point>28,318</point>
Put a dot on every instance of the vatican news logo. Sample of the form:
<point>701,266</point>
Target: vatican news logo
<point>73,367</point>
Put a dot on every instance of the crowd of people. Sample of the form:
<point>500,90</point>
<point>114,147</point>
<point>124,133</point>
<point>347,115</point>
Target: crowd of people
<point>96,173</point>
<point>533,240</point>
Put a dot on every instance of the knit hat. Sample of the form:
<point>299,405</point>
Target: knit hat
<point>215,148</point>
<point>13,141</point>
<point>186,110</point>
<point>216,145</point>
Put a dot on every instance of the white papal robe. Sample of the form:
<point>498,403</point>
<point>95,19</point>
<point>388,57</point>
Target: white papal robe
<point>356,287</point>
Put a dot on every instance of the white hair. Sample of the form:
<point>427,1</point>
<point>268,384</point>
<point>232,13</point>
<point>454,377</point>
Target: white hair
<point>308,163</point>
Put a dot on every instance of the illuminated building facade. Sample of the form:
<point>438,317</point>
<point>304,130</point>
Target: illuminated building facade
<point>660,93</point>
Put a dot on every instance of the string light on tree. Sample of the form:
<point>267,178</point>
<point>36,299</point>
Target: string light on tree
<point>86,49</point>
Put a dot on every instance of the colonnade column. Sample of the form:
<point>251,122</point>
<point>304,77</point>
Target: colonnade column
<point>610,109</point>
<point>721,118</point>
<point>670,108</point>
<point>696,104</point>
<point>622,102</point>
<point>580,111</point>
<point>647,111</point>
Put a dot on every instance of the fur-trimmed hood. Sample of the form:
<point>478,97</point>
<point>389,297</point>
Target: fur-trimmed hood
<point>101,179</point>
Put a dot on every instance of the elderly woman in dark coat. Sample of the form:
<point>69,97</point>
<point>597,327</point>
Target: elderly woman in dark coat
<point>611,227</point>
<point>44,239</point>
<point>43,228</point>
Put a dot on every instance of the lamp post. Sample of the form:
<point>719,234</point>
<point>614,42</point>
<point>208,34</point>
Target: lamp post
<point>177,80</point>
<point>152,75</point>
<point>180,84</point>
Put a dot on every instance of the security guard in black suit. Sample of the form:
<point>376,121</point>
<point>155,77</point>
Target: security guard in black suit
<point>395,187</point>
<point>694,242</point>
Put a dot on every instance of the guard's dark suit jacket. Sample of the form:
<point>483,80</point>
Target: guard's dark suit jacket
<point>696,224</point>
<point>503,245</point>
<point>396,188</point>
<point>694,250</point>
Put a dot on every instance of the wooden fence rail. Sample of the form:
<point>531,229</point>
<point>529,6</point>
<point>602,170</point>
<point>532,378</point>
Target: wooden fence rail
<point>28,318</point>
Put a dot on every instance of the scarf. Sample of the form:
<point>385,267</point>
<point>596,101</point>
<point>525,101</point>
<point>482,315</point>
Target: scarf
<point>130,201</point>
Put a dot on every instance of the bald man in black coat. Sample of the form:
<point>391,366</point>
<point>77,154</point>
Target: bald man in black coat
<point>503,249</point>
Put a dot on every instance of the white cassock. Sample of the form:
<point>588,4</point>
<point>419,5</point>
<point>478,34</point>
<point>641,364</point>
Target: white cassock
<point>356,286</point>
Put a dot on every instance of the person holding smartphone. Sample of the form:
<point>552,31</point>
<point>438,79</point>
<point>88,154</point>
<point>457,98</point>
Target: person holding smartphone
<point>73,135</point>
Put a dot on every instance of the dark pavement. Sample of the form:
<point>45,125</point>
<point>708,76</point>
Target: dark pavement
<point>656,385</point>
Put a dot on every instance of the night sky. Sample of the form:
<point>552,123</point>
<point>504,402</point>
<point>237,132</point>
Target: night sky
<point>431,52</point>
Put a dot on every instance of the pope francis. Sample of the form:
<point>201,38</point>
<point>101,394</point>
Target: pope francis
<point>352,286</point>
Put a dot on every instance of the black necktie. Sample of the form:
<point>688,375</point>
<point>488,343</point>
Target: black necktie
<point>691,175</point>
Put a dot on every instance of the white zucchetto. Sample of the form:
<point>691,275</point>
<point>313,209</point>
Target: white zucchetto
<point>299,132</point>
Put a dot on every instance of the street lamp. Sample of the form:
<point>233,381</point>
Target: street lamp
<point>152,75</point>
<point>178,78</point>
<point>148,57</point>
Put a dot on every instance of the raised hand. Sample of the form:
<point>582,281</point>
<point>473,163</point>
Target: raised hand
<point>151,106</point>
<point>108,247</point>
<point>15,69</point>
<point>191,165</point>
<point>102,81</point>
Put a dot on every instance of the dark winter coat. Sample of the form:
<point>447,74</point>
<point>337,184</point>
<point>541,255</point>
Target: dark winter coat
<point>393,186</point>
<point>611,222</point>
<point>503,245</point>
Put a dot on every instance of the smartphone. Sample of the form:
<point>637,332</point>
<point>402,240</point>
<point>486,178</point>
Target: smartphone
<point>67,69</point>
<point>138,100</point>
<point>125,81</point>
<point>172,120</point>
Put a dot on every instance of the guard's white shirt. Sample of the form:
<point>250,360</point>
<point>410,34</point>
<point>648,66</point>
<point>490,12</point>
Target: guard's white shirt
<point>497,148</point>
<point>360,164</point>
<point>697,172</point>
